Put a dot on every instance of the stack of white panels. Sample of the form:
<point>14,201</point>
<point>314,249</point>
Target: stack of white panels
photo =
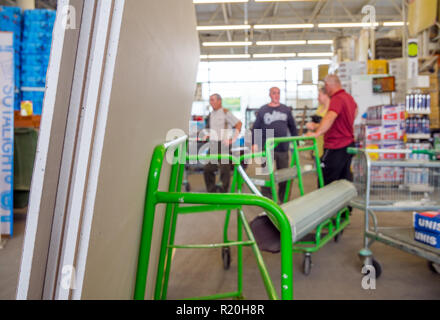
<point>116,85</point>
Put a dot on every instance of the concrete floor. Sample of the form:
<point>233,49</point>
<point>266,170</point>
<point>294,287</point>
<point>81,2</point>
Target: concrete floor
<point>336,272</point>
<point>10,258</point>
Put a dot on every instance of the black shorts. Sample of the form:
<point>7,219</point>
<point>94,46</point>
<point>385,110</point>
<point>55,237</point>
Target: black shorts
<point>336,165</point>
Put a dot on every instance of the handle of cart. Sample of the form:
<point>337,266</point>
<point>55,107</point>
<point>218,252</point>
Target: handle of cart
<point>176,203</point>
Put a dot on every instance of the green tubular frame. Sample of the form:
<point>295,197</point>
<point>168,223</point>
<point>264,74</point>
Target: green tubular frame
<point>272,143</point>
<point>334,225</point>
<point>174,198</point>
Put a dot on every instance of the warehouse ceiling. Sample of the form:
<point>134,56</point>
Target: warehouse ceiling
<point>289,12</point>
<point>257,12</point>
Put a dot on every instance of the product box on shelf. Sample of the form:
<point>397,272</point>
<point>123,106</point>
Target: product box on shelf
<point>386,114</point>
<point>373,133</point>
<point>387,174</point>
<point>395,113</point>
<point>377,67</point>
<point>427,221</point>
<point>429,238</point>
<point>393,132</point>
<point>392,146</point>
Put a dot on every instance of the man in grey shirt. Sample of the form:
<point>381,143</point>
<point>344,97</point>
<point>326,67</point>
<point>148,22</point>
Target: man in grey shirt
<point>277,117</point>
<point>223,130</point>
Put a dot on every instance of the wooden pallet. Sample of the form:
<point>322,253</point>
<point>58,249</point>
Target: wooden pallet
<point>26,122</point>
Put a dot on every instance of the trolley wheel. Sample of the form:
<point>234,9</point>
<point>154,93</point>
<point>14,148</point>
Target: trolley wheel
<point>434,267</point>
<point>307,264</point>
<point>187,187</point>
<point>338,236</point>
<point>226,257</point>
<point>377,267</point>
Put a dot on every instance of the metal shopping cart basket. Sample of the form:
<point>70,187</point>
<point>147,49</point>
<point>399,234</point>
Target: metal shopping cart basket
<point>397,185</point>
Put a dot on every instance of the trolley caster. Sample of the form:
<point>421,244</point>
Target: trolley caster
<point>307,264</point>
<point>338,236</point>
<point>187,187</point>
<point>376,265</point>
<point>226,257</point>
<point>434,267</point>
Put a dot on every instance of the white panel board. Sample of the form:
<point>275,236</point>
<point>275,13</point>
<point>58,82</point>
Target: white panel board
<point>84,144</point>
<point>81,64</point>
<point>48,155</point>
<point>152,91</point>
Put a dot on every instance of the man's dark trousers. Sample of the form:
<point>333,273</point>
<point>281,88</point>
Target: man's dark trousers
<point>225,172</point>
<point>336,165</point>
<point>282,161</point>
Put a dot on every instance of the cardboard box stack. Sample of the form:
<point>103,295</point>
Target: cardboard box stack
<point>11,21</point>
<point>384,129</point>
<point>323,71</point>
<point>36,43</point>
<point>377,67</point>
<point>397,69</point>
<point>349,68</point>
<point>427,228</point>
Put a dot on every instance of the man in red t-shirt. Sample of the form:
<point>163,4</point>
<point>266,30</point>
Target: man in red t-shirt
<point>338,130</point>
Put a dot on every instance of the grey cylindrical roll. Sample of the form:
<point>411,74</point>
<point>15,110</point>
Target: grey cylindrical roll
<point>307,212</point>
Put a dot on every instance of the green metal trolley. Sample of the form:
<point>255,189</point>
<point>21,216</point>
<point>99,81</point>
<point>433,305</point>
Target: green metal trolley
<point>175,201</point>
<point>178,203</point>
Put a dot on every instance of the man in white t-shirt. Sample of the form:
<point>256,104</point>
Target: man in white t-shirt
<point>223,130</point>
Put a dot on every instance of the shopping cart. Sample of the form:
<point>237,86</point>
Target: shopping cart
<point>389,181</point>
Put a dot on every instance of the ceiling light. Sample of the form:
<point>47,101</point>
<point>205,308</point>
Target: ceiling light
<point>281,43</point>
<point>274,55</point>
<point>348,25</point>
<point>225,27</point>
<point>315,54</point>
<point>284,26</point>
<point>218,1</point>
<point>320,42</point>
<point>225,56</point>
<point>227,44</point>
<point>394,24</point>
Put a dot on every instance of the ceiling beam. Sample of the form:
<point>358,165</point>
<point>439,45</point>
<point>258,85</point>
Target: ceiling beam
<point>397,7</point>
<point>226,19</point>
<point>349,14</point>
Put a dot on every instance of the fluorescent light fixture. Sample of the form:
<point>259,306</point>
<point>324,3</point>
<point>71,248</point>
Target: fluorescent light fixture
<point>320,42</point>
<point>347,25</point>
<point>281,43</point>
<point>225,27</point>
<point>218,1</point>
<point>394,24</point>
<point>225,56</point>
<point>274,55</point>
<point>284,26</point>
<point>227,44</point>
<point>315,54</point>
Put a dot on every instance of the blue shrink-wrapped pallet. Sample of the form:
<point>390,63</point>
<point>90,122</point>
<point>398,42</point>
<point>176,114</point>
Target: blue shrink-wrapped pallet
<point>35,59</point>
<point>34,81</point>
<point>35,52</point>
<point>43,15</point>
<point>11,21</point>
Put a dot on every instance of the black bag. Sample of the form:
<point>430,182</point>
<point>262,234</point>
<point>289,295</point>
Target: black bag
<point>316,119</point>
